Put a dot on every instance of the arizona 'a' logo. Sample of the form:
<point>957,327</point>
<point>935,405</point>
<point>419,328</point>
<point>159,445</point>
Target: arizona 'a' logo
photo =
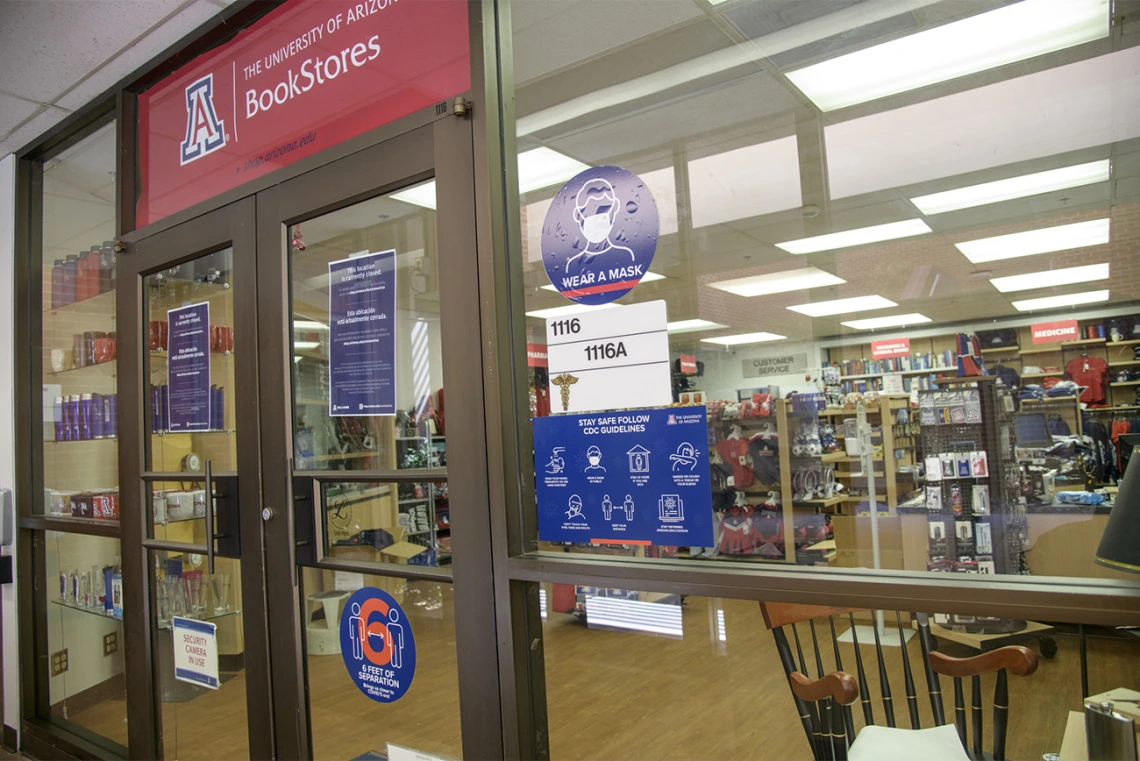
<point>205,132</point>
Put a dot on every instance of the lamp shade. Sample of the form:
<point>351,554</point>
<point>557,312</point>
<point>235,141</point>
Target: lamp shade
<point>1120,546</point>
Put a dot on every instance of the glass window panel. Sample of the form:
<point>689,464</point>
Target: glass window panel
<point>205,428</point>
<point>828,228</point>
<point>80,449</point>
<point>198,722</point>
<point>602,651</point>
<point>85,648</point>
<point>390,522</point>
<point>426,718</point>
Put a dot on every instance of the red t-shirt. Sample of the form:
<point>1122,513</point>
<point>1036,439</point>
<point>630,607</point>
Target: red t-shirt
<point>735,453</point>
<point>1091,372</point>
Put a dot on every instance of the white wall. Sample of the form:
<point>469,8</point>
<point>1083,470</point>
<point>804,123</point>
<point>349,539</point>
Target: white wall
<point>9,654</point>
<point>724,369</point>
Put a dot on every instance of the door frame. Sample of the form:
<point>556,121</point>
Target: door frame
<point>230,226</point>
<point>442,148</point>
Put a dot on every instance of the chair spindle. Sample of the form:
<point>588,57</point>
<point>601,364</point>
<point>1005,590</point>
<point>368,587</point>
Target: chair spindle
<point>927,642</point>
<point>864,695</point>
<point>884,684</point>
<point>960,712</point>
<point>848,719</point>
<point>908,678</point>
<point>976,706</point>
<point>814,712</point>
<point>805,709</point>
<point>1001,715</point>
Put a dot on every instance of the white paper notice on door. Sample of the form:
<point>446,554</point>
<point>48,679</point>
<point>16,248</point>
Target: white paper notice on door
<point>195,652</point>
<point>609,358</point>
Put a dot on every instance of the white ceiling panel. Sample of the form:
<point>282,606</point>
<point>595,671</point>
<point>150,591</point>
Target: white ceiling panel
<point>30,130</point>
<point>164,35</point>
<point>14,111</point>
<point>1084,104</point>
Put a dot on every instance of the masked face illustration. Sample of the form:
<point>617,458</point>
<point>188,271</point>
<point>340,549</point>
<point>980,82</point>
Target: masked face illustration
<point>595,210</point>
<point>596,227</point>
<point>594,455</point>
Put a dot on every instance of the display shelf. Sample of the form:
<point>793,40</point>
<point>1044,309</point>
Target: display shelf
<point>1084,342</point>
<point>857,473</point>
<point>223,432</point>
<point>81,441</point>
<point>1124,343</point>
<point>966,379</point>
<point>105,300</point>
<point>828,502</point>
<point>413,501</point>
<point>844,457</point>
<point>71,370</point>
<point>1057,374</point>
<point>1050,400</point>
<point>410,438</point>
<point>1121,384</point>
<point>96,610</point>
<point>1002,350</point>
<point>344,456</point>
<point>1132,363</point>
<point>165,625</point>
<point>80,521</point>
<point>1118,407</point>
<point>923,371</point>
<point>1054,349</point>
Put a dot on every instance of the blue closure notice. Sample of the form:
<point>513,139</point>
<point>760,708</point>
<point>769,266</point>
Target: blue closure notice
<point>362,335</point>
<point>188,358</point>
<point>377,645</point>
<point>639,476</point>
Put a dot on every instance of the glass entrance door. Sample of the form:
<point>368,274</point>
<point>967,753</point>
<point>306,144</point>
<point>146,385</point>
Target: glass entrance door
<point>192,519</point>
<point>373,438</point>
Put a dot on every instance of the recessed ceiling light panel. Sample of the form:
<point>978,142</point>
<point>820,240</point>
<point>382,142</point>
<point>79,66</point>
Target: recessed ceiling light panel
<point>692,326</point>
<point>744,338</point>
<point>898,320</point>
<point>779,282</point>
<point>1013,187</point>
<point>843,306</point>
<point>1049,278</point>
<point>1057,302</point>
<point>861,236</point>
<point>1015,32</point>
<point>1044,241</point>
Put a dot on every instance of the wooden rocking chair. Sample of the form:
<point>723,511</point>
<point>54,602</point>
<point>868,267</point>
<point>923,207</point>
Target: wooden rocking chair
<point>824,704</point>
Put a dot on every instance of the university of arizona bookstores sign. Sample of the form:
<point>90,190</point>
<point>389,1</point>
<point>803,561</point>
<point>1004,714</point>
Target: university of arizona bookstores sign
<point>309,75</point>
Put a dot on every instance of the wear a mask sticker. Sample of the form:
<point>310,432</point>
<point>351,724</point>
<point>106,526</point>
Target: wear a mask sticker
<point>600,235</point>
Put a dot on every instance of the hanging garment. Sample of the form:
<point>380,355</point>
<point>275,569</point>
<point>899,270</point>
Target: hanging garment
<point>735,453</point>
<point>1058,426</point>
<point>1091,372</point>
<point>765,453</point>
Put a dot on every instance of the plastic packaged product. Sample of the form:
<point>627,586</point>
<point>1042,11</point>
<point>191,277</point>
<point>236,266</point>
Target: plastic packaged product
<point>117,592</point>
<point>57,413</point>
<point>73,594</point>
<point>113,258</point>
<point>63,586</point>
<point>106,256</point>
<point>57,284</point>
<point>73,416</point>
<point>79,351</point>
<point>70,272</point>
<point>108,577</point>
<point>83,276</point>
<point>113,414</point>
<point>85,428</point>
<point>95,416</point>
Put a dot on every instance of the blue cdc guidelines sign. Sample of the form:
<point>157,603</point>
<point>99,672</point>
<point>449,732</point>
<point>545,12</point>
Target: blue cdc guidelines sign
<point>599,235</point>
<point>377,645</point>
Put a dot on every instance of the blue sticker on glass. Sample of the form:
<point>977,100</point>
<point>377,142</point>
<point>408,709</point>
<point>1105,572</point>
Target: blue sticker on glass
<point>639,476</point>
<point>362,335</point>
<point>188,360</point>
<point>377,645</point>
<point>600,235</point>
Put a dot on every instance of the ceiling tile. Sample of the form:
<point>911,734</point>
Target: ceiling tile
<point>48,46</point>
<point>40,123</point>
<point>135,56</point>
<point>14,110</point>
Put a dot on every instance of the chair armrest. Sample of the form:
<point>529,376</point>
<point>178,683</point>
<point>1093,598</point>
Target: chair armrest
<point>1017,659</point>
<point>838,685</point>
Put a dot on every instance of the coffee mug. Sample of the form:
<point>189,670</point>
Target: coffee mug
<point>58,360</point>
<point>105,350</point>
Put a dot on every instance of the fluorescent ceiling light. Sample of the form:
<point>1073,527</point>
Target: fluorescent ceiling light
<point>541,167</point>
<point>1049,278</point>
<point>538,168</point>
<point>874,323</point>
<point>418,195</point>
<point>743,338</point>
<point>309,325</point>
<point>692,326</point>
<point>1055,302</point>
<point>1014,187</point>
<point>649,277</point>
<point>567,311</point>
<point>779,282</point>
<point>843,306</point>
<point>857,237</point>
<point>986,41</point>
<point>305,345</point>
<point>1044,241</point>
<point>840,22</point>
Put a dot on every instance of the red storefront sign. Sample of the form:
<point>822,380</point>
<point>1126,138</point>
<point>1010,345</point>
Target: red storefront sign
<point>1051,332</point>
<point>307,76</point>
<point>536,355</point>
<point>894,347</point>
<point>688,364</point>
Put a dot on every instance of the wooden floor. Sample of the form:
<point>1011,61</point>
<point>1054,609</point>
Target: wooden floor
<point>624,695</point>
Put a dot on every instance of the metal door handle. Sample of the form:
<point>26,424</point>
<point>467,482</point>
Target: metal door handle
<point>209,517</point>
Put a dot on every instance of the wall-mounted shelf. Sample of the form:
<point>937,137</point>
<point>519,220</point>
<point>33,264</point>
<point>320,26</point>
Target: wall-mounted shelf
<point>1002,350</point>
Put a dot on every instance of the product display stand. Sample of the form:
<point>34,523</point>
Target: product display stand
<point>976,521</point>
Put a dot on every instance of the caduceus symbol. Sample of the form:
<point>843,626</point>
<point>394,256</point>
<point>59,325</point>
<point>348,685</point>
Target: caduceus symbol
<point>564,382</point>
